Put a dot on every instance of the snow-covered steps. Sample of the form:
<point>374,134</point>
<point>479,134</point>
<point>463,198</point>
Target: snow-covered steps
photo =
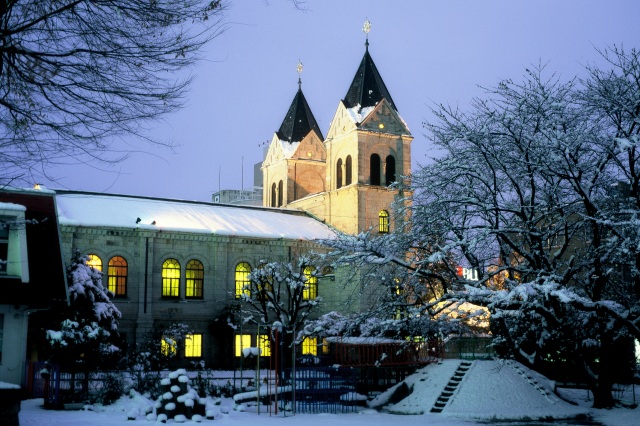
<point>451,387</point>
<point>528,376</point>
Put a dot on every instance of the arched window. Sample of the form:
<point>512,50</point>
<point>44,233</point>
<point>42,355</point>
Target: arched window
<point>383,222</point>
<point>94,261</point>
<point>374,169</point>
<point>273,195</point>
<point>339,174</point>
<point>280,193</point>
<point>117,276</point>
<point>170,278</point>
<point>194,279</point>
<point>348,166</point>
<point>311,286</point>
<point>243,284</point>
<point>390,172</point>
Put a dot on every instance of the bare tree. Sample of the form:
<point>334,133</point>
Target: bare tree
<point>76,74</point>
<point>281,296</point>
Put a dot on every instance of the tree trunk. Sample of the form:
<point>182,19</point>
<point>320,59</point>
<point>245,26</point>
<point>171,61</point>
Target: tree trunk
<point>602,393</point>
<point>610,357</point>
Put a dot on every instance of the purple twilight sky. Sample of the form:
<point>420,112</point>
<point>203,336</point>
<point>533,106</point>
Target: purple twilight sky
<point>426,51</point>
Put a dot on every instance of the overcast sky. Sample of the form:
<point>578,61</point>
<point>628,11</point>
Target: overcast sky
<point>427,52</point>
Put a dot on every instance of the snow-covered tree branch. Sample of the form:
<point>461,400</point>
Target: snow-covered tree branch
<point>536,190</point>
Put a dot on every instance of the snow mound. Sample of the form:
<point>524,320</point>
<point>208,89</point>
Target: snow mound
<point>495,390</point>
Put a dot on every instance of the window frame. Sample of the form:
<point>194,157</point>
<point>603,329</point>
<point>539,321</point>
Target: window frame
<point>193,345</point>
<point>311,285</point>
<point>195,284</point>
<point>264,343</point>
<point>309,346</point>
<point>239,344</point>
<point>94,261</point>
<point>242,286</point>
<point>117,282</point>
<point>171,284</point>
<point>168,349</point>
<point>383,222</point>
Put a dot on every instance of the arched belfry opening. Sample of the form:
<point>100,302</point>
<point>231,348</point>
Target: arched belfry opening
<point>348,170</point>
<point>374,170</point>
<point>390,170</point>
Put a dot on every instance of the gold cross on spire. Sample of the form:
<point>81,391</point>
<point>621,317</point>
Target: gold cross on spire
<point>365,29</point>
<point>299,68</point>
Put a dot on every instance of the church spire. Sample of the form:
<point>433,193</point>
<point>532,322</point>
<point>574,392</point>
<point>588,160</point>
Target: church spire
<point>367,87</point>
<point>299,120</point>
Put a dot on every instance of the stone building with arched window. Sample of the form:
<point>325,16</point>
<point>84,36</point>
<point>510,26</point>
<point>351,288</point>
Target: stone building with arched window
<point>345,178</point>
<point>171,261</point>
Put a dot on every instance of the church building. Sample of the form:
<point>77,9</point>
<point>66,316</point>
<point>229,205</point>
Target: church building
<point>173,261</point>
<point>344,178</point>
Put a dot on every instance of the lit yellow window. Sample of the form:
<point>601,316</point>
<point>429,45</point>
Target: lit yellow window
<point>383,222</point>
<point>243,285</point>
<point>311,286</point>
<point>117,276</point>
<point>265,345</point>
<point>193,345</point>
<point>94,261</point>
<point>167,346</point>
<point>170,278</point>
<point>310,346</point>
<point>242,341</point>
<point>194,279</point>
<point>325,347</point>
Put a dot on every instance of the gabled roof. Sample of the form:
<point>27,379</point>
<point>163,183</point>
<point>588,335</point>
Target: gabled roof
<point>367,87</point>
<point>299,121</point>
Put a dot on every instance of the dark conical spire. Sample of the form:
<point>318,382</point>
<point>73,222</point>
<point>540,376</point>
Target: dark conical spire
<point>367,87</point>
<point>299,120</point>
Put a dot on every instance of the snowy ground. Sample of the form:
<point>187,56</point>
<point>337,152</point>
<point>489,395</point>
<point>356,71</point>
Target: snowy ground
<point>490,391</point>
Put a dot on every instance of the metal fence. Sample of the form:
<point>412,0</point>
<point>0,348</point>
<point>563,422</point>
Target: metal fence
<point>57,387</point>
<point>324,390</point>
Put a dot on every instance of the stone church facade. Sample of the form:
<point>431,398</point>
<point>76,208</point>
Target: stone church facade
<point>343,179</point>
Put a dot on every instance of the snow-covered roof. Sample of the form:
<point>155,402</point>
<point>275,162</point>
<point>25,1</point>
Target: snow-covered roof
<point>12,207</point>
<point>122,211</point>
<point>359,114</point>
<point>289,148</point>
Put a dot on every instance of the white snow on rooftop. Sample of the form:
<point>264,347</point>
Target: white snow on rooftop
<point>289,148</point>
<point>12,207</point>
<point>116,211</point>
<point>358,114</point>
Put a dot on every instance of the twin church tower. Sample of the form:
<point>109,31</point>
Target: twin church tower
<point>342,179</point>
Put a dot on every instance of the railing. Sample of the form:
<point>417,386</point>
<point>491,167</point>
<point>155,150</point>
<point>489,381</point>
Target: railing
<point>323,390</point>
<point>375,353</point>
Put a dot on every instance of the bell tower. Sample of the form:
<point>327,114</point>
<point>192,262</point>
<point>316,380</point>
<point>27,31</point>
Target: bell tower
<point>294,166</point>
<point>368,149</point>
<point>346,179</point>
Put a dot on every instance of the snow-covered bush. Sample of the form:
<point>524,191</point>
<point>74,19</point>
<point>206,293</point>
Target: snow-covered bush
<point>179,401</point>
